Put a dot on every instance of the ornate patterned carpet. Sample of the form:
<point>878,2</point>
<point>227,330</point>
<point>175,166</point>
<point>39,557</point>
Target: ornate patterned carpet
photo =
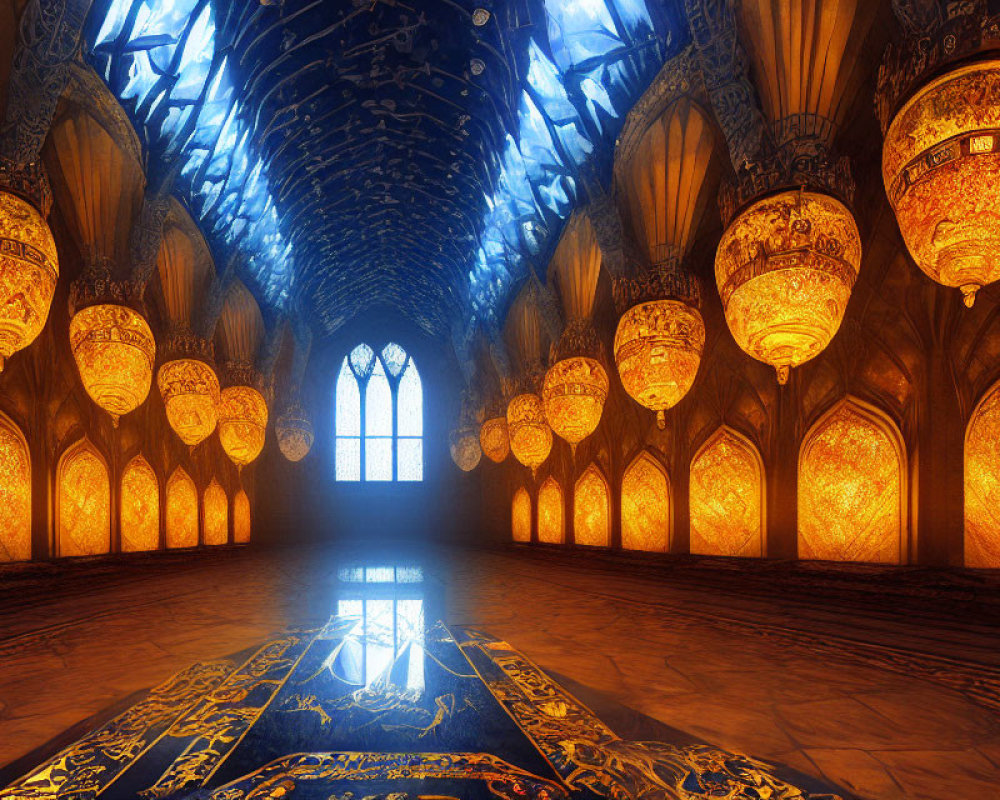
<point>373,705</point>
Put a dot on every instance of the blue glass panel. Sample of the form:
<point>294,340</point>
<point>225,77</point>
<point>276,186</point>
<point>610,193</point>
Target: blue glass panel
<point>348,411</point>
<point>378,404</point>
<point>411,403</point>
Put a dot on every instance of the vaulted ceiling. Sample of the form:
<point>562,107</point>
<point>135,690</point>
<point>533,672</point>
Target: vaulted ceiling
<point>421,154</point>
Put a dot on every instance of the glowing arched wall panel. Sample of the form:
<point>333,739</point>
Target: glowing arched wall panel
<point>982,484</point>
<point>850,489</point>
<point>726,498</point>
<point>15,494</point>
<point>592,510</point>
<point>551,528</point>
<point>216,515</point>
<point>182,510</point>
<point>140,507</point>
<point>645,506</point>
<point>241,518</point>
<point>520,516</point>
<point>84,503</point>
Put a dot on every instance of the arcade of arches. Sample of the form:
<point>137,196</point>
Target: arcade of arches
<point>524,398</point>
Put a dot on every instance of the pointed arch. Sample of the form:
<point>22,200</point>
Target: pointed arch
<point>520,516</point>
<point>140,507</point>
<point>216,514</point>
<point>551,525</point>
<point>646,505</point>
<point>592,509</point>
<point>982,483</point>
<point>83,505</point>
<point>726,497</point>
<point>182,510</point>
<point>15,492</point>
<point>852,487</point>
<point>241,518</point>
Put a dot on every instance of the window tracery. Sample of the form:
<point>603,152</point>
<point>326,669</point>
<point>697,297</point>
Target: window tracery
<point>140,507</point>
<point>645,506</point>
<point>551,526</point>
<point>592,509</point>
<point>15,493</point>
<point>216,506</point>
<point>182,510</point>
<point>84,506</point>
<point>521,516</point>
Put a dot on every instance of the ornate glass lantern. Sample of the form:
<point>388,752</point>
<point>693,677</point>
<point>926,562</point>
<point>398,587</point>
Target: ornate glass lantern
<point>941,168</point>
<point>785,268</point>
<point>294,432</point>
<point>29,263</point>
<point>493,439</point>
<point>114,351</point>
<point>242,423</point>
<point>465,449</point>
<point>189,388</point>
<point>575,387</point>
<point>530,434</point>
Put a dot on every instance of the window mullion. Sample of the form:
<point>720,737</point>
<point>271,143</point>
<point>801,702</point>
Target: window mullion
<point>363,440</point>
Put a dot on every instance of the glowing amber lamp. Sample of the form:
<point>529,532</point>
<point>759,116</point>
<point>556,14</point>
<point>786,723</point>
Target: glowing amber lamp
<point>295,433</point>
<point>493,439</point>
<point>530,434</point>
<point>785,269</point>
<point>941,168</point>
<point>242,423</point>
<point>573,396</point>
<point>465,449</point>
<point>29,268</point>
<point>114,351</point>
<point>190,392</point>
<point>658,348</point>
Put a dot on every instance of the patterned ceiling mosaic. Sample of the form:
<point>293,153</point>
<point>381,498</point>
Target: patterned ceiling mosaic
<point>418,154</point>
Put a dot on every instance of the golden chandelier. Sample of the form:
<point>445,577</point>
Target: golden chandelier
<point>242,423</point>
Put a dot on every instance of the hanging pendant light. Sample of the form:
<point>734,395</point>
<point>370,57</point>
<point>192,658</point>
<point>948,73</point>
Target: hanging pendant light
<point>530,434</point>
<point>494,439</point>
<point>294,432</point>
<point>465,449</point>
<point>242,416</point>
<point>29,263</point>
<point>189,387</point>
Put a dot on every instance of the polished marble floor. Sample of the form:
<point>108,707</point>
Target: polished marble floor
<point>884,686</point>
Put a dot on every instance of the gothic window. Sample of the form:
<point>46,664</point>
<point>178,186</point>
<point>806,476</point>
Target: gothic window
<point>551,529</point>
<point>84,506</point>
<point>140,507</point>
<point>982,483</point>
<point>15,493</point>
<point>520,516</point>
<point>645,506</point>
<point>241,518</point>
<point>182,510</point>
<point>216,506</point>
<point>727,497</point>
<point>592,509</point>
<point>379,416</point>
<point>851,476</point>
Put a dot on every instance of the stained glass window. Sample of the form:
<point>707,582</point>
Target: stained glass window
<point>84,503</point>
<point>15,494</point>
<point>982,483</point>
<point>727,497</point>
<point>216,514</point>
<point>850,488</point>
<point>645,506</point>
<point>591,509</point>
<point>551,529</point>
<point>241,518</point>
<point>379,416</point>
<point>182,510</point>
<point>140,507</point>
<point>520,516</point>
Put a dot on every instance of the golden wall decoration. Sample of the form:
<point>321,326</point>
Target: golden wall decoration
<point>15,493</point>
<point>494,440</point>
<point>982,483</point>
<point>727,497</point>
<point>182,510</point>
<point>551,522</point>
<point>520,516</point>
<point>84,503</point>
<point>241,518</point>
<point>216,506</point>
<point>114,351</point>
<point>592,509</point>
<point>646,506</point>
<point>785,268</point>
<point>190,391</point>
<point>941,169</point>
<point>573,397</point>
<point>29,268</point>
<point>851,474</point>
<point>140,507</point>
<point>530,434</point>
<point>242,423</point>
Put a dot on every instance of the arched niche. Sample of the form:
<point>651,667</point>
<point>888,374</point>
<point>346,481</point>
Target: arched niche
<point>520,516</point>
<point>15,492</point>
<point>852,487</point>
<point>646,505</point>
<point>83,504</point>
<point>140,507</point>
<point>216,514</point>
<point>182,510</point>
<point>241,518</point>
<point>726,497</point>
<point>551,522</point>
<point>982,483</point>
<point>592,509</point>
